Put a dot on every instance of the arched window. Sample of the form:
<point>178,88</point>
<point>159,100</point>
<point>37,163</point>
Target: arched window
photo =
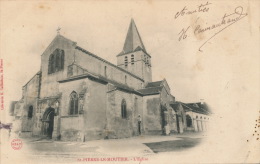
<point>56,61</point>
<point>62,60</point>
<point>51,64</point>
<point>105,70</point>
<point>123,109</point>
<point>188,121</point>
<point>126,61</point>
<point>132,59</point>
<point>30,112</point>
<point>125,79</point>
<point>73,103</point>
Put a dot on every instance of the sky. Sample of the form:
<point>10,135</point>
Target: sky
<point>101,28</point>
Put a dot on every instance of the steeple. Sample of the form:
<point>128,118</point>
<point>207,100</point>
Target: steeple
<point>134,57</point>
<point>133,40</point>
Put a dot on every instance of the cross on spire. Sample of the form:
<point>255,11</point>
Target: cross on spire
<point>58,30</point>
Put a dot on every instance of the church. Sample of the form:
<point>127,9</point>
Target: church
<point>78,96</point>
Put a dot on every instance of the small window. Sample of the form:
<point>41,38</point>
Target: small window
<point>30,112</point>
<point>105,70</point>
<point>132,59</point>
<point>73,103</point>
<point>126,61</point>
<point>125,79</point>
<point>123,109</point>
<point>70,71</point>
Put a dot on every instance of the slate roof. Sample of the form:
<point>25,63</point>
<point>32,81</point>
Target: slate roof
<point>133,41</point>
<point>99,58</point>
<point>100,79</point>
<point>174,105</point>
<point>150,91</point>
<point>154,84</point>
<point>194,107</point>
<point>199,107</point>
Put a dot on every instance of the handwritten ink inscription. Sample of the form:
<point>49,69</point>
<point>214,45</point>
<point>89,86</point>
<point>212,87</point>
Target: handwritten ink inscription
<point>185,11</point>
<point>224,22</point>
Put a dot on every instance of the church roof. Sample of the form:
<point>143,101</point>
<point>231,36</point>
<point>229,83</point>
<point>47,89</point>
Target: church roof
<point>101,59</point>
<point>154,84</point>
<point>151,91</point>
<point>133,41</point>
<point>199,107</point>
<point>194,107</point>
<point>100,79</point>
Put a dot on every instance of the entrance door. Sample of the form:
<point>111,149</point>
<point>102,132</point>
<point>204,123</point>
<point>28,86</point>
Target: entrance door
<point>48,121</point>
<point>163,119</point>
<point>178,123</point>
<point>139,127</point>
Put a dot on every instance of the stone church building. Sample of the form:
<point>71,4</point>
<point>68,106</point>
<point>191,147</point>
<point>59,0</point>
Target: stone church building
<point>78,96</point>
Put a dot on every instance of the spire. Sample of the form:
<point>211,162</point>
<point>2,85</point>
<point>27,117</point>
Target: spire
<point>133,40</point>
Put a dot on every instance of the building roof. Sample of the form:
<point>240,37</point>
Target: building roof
<point>194,107</point>
<point>99,58</point>
<point>150,91</point>
<point>133,41</point>
<point>100,79</point>
<point>199,107</point>
<point>174,105</point>
<point>38,73</point>
<point>154,84</point>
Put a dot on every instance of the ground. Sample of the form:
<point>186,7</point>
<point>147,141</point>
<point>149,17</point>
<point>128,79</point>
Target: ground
<point>130,149</point>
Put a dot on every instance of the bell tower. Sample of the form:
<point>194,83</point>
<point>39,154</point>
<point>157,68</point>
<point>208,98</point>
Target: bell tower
<point>134,57</point>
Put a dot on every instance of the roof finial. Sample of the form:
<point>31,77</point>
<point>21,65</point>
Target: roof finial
<point>58,30</point>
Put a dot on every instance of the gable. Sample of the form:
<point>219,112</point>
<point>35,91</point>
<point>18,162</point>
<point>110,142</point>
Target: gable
<point>61,43</point>
<point>166,86</point>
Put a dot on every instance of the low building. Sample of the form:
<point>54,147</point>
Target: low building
<point>192,117</point>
